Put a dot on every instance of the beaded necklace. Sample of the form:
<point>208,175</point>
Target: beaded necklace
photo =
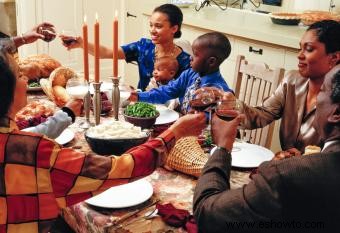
<point>169,53</point>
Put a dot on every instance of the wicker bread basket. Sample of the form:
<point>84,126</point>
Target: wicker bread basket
<point>187,156</point>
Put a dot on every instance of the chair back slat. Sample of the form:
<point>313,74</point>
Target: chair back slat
<point>253,83</point>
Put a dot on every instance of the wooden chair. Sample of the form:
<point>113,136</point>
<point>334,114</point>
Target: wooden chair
<point>253,83</point>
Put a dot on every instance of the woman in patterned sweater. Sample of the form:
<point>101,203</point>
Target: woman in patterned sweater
<point>38,177</point>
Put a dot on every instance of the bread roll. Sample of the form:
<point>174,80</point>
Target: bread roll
<point>60,76</point>
<point>60,96</point>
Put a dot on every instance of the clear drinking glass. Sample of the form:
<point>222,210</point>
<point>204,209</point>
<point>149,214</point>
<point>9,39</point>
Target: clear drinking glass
<point>78,88</point>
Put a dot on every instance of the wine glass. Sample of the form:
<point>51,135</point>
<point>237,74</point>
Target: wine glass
<point>68,37</point>
<point>203,100</point>
<point>205,97</point>
<point>49,35</point>
<point>77,88</point>
<point>227,110</point>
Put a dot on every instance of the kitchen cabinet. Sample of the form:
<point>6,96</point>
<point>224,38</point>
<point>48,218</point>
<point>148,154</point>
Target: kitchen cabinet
<point>67,15</point>
<point>133,21</point>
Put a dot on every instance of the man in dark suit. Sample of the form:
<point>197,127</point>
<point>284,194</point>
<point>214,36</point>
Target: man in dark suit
<point>297,194</point>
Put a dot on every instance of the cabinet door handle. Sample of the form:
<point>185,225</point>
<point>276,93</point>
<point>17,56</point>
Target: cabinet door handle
<point>130,15</point>
<point>259,51</point>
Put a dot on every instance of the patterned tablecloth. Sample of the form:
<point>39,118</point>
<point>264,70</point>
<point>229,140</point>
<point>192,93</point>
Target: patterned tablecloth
<point>169,187</point>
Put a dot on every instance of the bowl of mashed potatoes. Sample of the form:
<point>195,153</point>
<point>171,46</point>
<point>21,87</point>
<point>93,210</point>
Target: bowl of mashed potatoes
<point>115,137</point>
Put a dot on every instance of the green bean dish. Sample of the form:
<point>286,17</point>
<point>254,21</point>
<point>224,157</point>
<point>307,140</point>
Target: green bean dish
<point>141,109</point>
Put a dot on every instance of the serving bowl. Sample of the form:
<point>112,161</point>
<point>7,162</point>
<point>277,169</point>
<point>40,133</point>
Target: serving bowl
<point>143,122</point>
<point>114,146</point>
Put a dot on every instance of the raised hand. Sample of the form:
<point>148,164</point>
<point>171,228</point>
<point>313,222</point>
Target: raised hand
<point>38,32</point>
<point>224,132</point>
<point>71,41</point>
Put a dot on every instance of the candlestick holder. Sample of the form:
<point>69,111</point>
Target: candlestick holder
<point>97,102</point>
<point>115,96</point>
<point>87,104</point>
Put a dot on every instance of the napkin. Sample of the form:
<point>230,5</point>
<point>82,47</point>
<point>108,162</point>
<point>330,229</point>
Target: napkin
<point>177,217</point>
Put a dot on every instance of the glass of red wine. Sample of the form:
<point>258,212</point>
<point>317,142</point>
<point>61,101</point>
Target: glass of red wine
<point>205,99</point>
<point>68,37</point>
<point>49,35</point>
<point>228,109</point>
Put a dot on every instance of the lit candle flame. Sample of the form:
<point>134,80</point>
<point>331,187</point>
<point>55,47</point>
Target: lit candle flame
<point>85,19</point>
<point>116,14</point>
<point>96,17</point>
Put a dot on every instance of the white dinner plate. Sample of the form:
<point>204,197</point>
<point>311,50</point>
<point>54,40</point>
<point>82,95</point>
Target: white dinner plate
<point>165,115</point>
<point>246,155</point>
<point>123,196</point>
<point>66,136</point>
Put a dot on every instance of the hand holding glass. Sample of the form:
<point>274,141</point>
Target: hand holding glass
<point>68,37</point>
<point>204,97</point>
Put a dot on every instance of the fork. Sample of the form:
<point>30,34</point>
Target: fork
<point>118,223</point>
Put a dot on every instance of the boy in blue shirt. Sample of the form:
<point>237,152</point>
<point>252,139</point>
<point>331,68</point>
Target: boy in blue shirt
<point>209,51</point>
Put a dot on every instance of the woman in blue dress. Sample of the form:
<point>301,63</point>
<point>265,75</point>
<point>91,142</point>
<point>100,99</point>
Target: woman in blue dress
<point>165,26</point>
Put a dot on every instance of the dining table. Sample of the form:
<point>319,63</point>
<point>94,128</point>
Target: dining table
<point>168,187</point>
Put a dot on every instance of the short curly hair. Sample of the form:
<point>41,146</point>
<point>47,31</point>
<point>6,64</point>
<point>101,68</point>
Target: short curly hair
<point>217,43</point>
<point>335,95</point>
